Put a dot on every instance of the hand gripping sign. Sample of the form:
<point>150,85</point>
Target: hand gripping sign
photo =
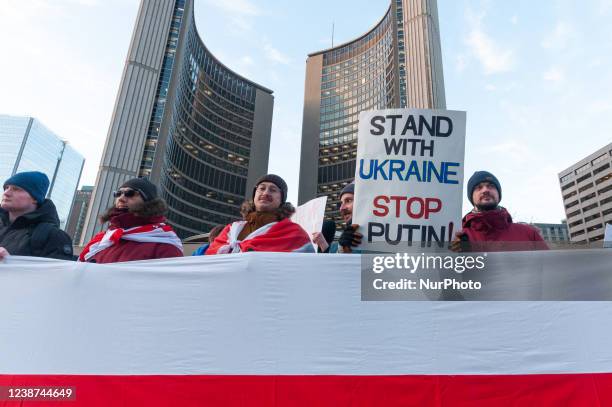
<point>409,178</point>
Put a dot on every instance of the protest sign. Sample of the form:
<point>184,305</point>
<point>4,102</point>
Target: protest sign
<point>409,177</point>
<point>310,216</point>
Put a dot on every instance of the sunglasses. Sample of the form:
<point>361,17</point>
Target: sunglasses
<point>128,193</point>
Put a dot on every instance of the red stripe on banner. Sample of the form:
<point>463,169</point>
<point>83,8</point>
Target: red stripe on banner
<point>337,391</point>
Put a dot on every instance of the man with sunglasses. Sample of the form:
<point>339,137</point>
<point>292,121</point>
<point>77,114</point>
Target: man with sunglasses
<point>137,228</point>
<point>29,224</point>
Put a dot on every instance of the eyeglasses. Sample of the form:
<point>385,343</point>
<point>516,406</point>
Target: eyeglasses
<point>128,193</point>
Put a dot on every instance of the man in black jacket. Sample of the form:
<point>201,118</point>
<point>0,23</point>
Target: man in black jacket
<point>29,224</point>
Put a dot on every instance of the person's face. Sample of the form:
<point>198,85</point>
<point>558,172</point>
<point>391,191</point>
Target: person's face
<point>15,199</point>
<point>268,197</point>
<point>485,196</point>
<point>346,206</point>
<point>127,198</point>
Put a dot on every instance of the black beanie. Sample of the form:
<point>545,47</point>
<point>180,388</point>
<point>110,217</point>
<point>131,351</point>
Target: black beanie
<point>146,188</point>
<point>482,176</point>
<point>348,189</point>
<point>276,180</point>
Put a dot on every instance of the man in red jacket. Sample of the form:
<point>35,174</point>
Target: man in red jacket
<point>137,230</point>
<point>489,227</point>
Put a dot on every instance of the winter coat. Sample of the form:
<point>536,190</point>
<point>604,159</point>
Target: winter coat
<point>125,250</point>
<point>495,231</point>
<point>42,224</point>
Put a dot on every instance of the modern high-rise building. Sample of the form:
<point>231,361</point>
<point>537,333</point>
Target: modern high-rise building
<point>27,145</point>
<point>586,188</point>
<point>78,212</point>
<point>554,233</point>
<point>397,64</point>
<point>186,121</point>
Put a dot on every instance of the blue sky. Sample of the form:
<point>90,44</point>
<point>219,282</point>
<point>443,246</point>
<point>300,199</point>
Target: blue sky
<point>534,77</point>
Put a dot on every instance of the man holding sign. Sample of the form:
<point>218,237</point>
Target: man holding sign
<point>409,178</point>
<point>350,239</point>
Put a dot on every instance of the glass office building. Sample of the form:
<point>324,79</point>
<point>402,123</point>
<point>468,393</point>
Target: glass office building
<point>396,64</point>
<point>27,145</point>
<point>186,121</point>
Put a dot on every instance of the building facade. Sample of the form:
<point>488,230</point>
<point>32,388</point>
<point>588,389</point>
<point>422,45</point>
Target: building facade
<point>78,212</point>
<point>186,121</point>
<point>397,64</point>
<point>27,145</point>
<point>586,188</point>
<point>553,233</point>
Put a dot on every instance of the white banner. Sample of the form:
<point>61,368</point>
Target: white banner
<point>409,177</point>
<point>279,313</point>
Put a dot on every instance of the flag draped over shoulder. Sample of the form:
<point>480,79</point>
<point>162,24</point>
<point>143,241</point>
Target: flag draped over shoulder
<point>282,236</point>
<point>290,329</point>
<point>151,233</point>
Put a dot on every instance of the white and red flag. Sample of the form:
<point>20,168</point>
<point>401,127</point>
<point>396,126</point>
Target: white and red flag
<point>282,329</point>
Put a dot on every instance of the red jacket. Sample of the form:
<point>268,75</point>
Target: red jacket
<point>125,250</point>
<point>494,231</point>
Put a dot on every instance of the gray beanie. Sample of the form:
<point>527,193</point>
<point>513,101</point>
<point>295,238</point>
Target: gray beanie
<point>348,189</point>
<point>276,180</point>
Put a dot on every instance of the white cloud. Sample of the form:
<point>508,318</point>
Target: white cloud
<point>460,63</point>
<point>600,106</point>
<point>490,88</point>
<point>247,60</point>
<point>559,37</point>
<point>514,19</point>
<point>493,57</point>
<point>240,24</point>
<point>275,55</point>
<point>604,6</point>
<point>233,7</point>
<point>514,149</point>
<point>554,74</point>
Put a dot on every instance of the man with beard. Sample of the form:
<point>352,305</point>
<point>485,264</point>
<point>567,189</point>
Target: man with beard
<point>267,226</point>
<point>137,228</point>
<point>489,227</point>
<point>350,239</point>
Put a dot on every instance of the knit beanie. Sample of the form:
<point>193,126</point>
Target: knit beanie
<point>146,188</point>
<point>34,182</point>
<point>482,176</point>
<point>276,180</point>
<point>348,189</point>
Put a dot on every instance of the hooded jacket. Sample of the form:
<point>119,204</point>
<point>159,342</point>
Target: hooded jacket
<point>52,242</point>
<point>494,231</point>
<point>150,213</point>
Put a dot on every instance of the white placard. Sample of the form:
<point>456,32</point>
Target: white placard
<point>409,177</point>
<point>310,216</point>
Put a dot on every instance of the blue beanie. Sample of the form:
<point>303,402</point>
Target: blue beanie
<point>34,182</point>
<point>482,176</point>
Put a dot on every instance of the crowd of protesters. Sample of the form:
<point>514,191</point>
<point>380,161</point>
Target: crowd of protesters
<point>137,229</point>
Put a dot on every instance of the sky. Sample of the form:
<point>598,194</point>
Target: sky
<point>535,78</point>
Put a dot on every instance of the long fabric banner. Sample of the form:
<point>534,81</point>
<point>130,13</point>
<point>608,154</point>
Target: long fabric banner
<point>279,329</point>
